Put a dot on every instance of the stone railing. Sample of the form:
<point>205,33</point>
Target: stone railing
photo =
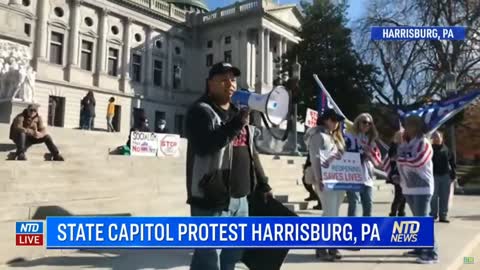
<point>177,13</point>
<point>162,7</point>
<point>232,10</point>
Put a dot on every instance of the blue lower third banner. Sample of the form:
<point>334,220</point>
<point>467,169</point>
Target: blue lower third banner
<point>417,33</point>
<point>238,232</point>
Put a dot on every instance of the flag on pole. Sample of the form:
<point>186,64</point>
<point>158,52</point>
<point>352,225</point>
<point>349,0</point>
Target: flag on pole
<point>436,114</point>
<point>325,101</point>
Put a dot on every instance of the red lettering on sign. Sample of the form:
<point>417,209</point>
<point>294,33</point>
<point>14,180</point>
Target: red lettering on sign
<point>168,144</point>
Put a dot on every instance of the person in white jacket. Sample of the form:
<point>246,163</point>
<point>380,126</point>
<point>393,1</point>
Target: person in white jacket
<point>415,166</point>
<point>362,140</point>
<point>327,137</point>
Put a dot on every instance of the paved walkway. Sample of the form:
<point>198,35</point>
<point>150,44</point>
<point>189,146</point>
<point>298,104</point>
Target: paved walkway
<point>457,240</point>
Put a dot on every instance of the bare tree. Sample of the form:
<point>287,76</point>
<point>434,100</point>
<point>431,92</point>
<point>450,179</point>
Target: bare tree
<point>414,70</point>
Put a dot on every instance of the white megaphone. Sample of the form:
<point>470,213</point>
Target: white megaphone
<point>274,105</point>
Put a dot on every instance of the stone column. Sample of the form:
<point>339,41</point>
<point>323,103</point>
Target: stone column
<point>242,56</point>
<point>74,33</point>
<point>41,37</point>
<point>267,68</point>
<point>169,65</point>
<point>280,46</point>
<point>259,69</point>
<point>148,66</point>
<point>126,55</point>
<point>102,42</point>
<point>285,47</point>
<point>219,50</point>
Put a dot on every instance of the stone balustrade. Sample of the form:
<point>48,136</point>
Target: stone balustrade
<point>231,10</point>
<point>162,7</point>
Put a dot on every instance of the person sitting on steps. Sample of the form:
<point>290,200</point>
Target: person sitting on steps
<point>28,129</point>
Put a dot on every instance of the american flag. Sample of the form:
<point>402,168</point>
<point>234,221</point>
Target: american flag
<point>325,101</point>
<point>436,114</point>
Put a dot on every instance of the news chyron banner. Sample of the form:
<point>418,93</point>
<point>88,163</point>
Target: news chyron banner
<point>418,33</point>
<point>231,232</point>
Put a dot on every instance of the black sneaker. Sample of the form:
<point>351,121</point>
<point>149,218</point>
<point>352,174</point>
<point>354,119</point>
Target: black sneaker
<point>427,259</point>
<point>401,214</point>
<point>317,207</point>
<point>412,253</point>
<point>335,254</point>
<point>21,156</point>
<point>58,157</point>
<point>310,198</point>
<point>323,255</point>
<point>444,220</point>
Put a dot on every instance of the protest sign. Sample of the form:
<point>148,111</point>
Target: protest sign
<point>168,145</point>
<point>143,144</point>
<point>311,118</point>
<point>342,172</point>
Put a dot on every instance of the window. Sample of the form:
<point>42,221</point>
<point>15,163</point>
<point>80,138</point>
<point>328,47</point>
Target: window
<point>138,37</point>
<point>88,21</point>
<point>177,50</point>
<point>179,119</point>
<point>157,72</point>
<point>136,67</point>
<point>56,48</point>
<point>209,44</point>
<point>177,76</point>
<point>228,39</point>
<point>158,44</point>
<point>227,56</point>
<point>27,29</point>
<point>26,3</point>
<point>58,11</point>
<point>209,60</point>
<point>112,61</point>
<point>115,30</point>
<point>86,58</point>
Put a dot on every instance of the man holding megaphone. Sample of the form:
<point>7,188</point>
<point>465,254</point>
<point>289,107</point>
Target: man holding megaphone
<point>223,167</point>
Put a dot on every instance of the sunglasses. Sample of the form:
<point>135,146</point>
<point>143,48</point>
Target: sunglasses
<point>367,123</point>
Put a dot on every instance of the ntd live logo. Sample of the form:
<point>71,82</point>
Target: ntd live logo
<point>405,231</point>
<point>29,233</point>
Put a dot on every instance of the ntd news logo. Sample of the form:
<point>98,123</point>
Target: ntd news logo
<point>405,231</point>
<point>29,233</point>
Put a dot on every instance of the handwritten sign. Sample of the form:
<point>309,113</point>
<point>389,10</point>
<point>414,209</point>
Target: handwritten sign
<point>342,172</point>
<point>168,145</point>
<point>311,118</point>
<point>143,144</point>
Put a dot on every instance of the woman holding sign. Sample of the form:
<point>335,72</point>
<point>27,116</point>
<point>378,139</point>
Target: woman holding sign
<point>362,140</point>
<point>415,165</point>
<point>327,137</point>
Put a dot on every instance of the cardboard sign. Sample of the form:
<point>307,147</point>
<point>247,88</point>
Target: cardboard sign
<point>168,145</point>
<point>311,118</point>
<point>143,144</point>
<point>342,172</point>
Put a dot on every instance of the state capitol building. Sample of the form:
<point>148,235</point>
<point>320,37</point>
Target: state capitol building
<point>153,56</point>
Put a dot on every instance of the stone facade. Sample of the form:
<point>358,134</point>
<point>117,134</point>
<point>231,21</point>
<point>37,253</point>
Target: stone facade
<point>150,55</point>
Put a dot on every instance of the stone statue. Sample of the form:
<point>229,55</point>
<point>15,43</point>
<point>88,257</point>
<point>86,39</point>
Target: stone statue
<point>17,77</point>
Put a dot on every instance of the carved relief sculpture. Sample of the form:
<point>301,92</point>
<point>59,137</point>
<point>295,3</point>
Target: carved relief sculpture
<point>17,77</point>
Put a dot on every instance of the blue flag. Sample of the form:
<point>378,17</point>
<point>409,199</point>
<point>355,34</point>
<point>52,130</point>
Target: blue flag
<point>436,114</point>
<point>325,101</point>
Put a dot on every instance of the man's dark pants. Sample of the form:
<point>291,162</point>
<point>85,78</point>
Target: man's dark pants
<point>24,141</point>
